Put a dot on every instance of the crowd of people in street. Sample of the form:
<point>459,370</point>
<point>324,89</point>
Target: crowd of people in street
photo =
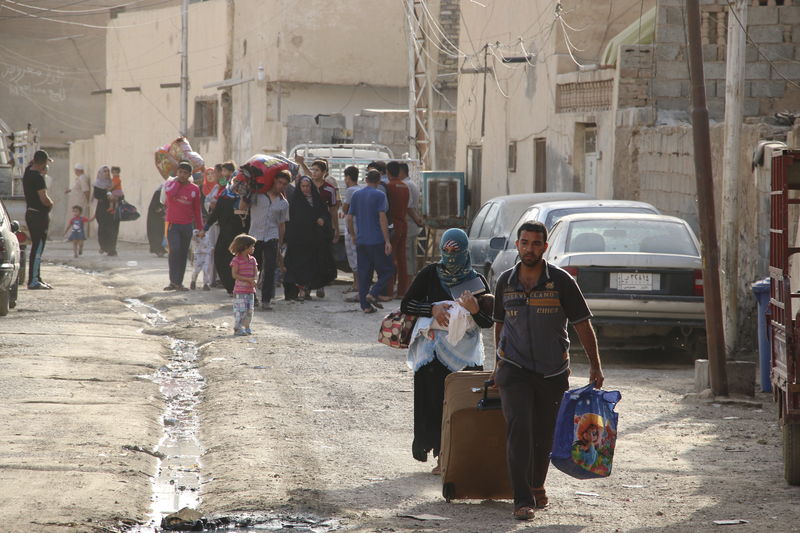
<point>287,233</point>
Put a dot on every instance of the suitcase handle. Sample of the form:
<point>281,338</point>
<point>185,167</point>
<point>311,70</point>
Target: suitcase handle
<point>487,403</point>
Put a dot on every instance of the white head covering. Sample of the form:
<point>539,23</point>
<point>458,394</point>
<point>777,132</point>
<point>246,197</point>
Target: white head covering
<point>79,166</point>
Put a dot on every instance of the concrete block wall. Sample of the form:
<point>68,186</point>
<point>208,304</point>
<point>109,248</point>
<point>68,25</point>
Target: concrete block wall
<point>656,165</point>
<point>390,127</point>
<point>322,129</point>
<point>774,28</point>
<point>635,76</point>
<point>449,21</point>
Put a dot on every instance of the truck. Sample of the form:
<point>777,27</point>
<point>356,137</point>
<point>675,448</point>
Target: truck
<point>782,322</point>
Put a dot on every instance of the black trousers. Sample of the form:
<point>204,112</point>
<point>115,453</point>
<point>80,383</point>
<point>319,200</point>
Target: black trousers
<point>267,257</point>
<point>38,223</point>
<point>222,262</point>
<point>107,228</point>
<point>428,408</point>
<point>530,405</point>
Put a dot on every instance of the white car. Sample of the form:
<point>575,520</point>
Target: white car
<point>641,275</point>
<point>548,213</point>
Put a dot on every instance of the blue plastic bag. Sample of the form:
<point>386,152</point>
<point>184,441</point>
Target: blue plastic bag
<point>586,432</point>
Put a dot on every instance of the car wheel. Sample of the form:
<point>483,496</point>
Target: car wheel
<point>4,299</point>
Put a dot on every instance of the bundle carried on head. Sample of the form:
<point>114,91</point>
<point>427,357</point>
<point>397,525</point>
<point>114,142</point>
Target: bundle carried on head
<point>168,156</point>
<point>257,175</point>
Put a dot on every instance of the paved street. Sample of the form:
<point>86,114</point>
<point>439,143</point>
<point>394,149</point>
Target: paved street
<point>311,417</point>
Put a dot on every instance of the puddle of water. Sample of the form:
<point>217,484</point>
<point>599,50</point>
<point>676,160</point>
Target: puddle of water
<point>177,483</point>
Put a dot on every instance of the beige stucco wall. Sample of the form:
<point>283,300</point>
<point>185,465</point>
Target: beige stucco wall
<point>520,98</point>
<point>146,54</point>
<point>346,61</point>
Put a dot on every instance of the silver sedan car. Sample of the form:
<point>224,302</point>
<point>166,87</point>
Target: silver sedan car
<point>548,213</point>
<point>641,276</point>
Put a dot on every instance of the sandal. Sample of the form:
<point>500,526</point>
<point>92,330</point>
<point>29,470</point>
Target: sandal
<point>540,497</point>
<point>374,301</point>
<point>369,310</point>
<point>524,513</point>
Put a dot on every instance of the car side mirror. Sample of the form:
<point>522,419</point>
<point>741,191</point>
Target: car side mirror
<point>14,226</point>
<point>497,243</point>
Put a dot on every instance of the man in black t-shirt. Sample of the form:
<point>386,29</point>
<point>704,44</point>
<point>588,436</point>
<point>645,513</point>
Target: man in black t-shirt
<point>37,216</point>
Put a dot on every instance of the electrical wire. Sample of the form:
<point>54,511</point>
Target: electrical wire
<point>82,24</point>
<point>81,11</point>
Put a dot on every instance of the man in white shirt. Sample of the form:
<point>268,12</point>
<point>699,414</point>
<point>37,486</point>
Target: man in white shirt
<point>80,192</point>
<point>351,181</point>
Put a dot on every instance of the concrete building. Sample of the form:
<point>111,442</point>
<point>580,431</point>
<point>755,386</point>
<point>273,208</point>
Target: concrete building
<point>255,69</point>
<point>605,108</point>
<point>52,58</point>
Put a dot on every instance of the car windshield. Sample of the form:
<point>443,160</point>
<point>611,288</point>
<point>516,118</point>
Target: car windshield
<point>634,235</point>
<point>556,214</point>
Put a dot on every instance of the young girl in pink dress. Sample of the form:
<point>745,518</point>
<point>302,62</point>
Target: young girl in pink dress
<point>245,271</point>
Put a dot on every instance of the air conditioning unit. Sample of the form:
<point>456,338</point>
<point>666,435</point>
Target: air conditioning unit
<point>443,194</point>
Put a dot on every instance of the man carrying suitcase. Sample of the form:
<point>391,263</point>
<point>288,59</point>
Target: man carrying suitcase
<point>533,303</point>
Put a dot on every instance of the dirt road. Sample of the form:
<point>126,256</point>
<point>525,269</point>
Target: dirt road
<point>310,416</point>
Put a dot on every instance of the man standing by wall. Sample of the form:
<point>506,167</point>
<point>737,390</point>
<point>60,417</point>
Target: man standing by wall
<point>80,192</point>
<point>533,303</point>
<point>367,221</point>
<point>183,212</point>
<point>269,214</point>
<point>37,215</point>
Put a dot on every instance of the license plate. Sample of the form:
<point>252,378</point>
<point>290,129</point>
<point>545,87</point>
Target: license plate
<point>637,281</point>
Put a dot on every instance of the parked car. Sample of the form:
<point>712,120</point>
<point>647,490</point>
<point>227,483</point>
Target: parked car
<point>641,275</point>
<point>549,213</point>
<point>9,261</point>
<point>495,219</point>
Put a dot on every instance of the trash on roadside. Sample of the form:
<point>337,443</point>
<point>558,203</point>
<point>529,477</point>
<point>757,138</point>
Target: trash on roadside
<point>423,517</point>
<point>730,522</point>
<point>184,520</point>
<point>634,486</point>
<point>730,418</point>
<point>582,493</point>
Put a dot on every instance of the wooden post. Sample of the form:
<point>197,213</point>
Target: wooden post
<point>734,103</point>
<point>715,332</point>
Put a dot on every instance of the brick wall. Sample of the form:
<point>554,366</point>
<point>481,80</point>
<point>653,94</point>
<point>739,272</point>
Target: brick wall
<point>449,20</point>
<point>774,28</point>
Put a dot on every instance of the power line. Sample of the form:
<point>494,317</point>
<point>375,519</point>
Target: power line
<point>81,24</point>
<point>74,11</point>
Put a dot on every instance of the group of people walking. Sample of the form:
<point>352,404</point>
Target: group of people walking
<point>291,229</point>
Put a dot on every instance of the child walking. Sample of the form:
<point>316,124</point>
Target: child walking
<point>203,254</point>
<point>245,271</point>
<point>77,230</point>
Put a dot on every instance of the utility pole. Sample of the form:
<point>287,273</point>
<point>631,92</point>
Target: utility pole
<point>412,83</point>
<point>184,66</point>
<point>715,331</point>
<point>421,134</point>
<point>734,100</point>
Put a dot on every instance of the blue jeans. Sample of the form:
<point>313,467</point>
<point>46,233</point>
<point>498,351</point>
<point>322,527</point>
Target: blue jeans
<point>371,257</point>
<point>179,237</point>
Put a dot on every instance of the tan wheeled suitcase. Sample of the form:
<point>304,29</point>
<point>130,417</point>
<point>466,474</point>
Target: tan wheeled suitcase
<point>473,452</point>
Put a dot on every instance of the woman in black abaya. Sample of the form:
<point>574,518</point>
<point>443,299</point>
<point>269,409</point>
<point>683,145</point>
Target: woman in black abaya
<point>309,261</point>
